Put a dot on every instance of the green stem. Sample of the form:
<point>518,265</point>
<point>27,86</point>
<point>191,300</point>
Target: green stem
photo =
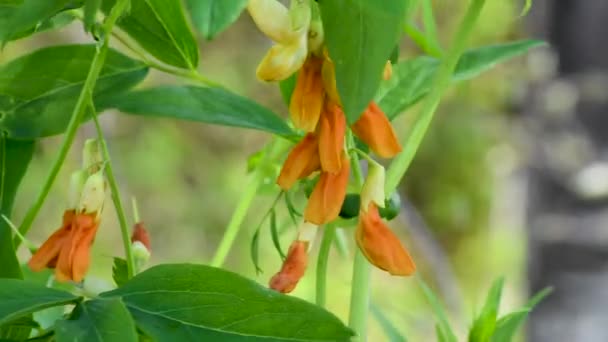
<point>77,114</point>
<point>120,211</point>
<point>442,80</point>
<point>360,284</point>
<point>322,258</point>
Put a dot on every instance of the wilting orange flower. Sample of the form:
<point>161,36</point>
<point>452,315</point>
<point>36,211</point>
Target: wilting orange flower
<point>332,128</point>
<point>67,250</point>
<point>300,163</point>
<point>308,95</point>
<point>328,195</point>
<point>380,245</point>
<point>293,268</point>
<point>376,131</point>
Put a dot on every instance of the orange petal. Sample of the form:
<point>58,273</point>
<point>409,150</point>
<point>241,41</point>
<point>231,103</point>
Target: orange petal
<point>141,234</point>
<point>328,195</point>
<point>380,246</point>
<point>332,129</point>
<point>329,80</point>
<point>293,268</point>
<point>87,226</point>
<point>307,98</point>
<point>300,163</point>
<point>47,254</point>
<point>376,131</point>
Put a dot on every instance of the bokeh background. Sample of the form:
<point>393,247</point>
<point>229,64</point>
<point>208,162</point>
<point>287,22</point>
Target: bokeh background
<point>471,198</point>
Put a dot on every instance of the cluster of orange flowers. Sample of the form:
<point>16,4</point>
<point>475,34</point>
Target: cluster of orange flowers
<point>315,108</point>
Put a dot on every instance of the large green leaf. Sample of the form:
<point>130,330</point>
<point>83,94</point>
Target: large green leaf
<point>185,302</point>
<point>17,17</point>
<point>360,36</point>
<point>211,17</point>
<point>209,105</point>
<point>18,329</point>
<point>160,27</point>
<point>485,323</point>
<point>15,156</point>
<point>97,320</point>
<point>19,298</point>
<point>39,91</point>
<point>412,79</point>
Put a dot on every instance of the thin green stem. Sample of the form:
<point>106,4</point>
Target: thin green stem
<point>120,211</point>
<point>328,237</point>
<point>360,284</point>
<point>77,114</point>
<point>442,80</point>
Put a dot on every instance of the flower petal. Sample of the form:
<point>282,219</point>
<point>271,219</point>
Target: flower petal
<point>47,254</point>
<point>376,131</point>
<point>328,195</point>
<point>293,268</point>
<point>380,245</point>
<point>300,163</point>
<point>332,129</point>
<point>307,98</point>
<point>272,18</point>
<point>282,61</point>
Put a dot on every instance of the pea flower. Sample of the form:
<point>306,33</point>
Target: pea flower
<point>378,243</point>
<point>295,263</point>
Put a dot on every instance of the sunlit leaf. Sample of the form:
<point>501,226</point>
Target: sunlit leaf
<point>97,320</point>
<point>360,36</point>
<point>39,91</point>
<point>186,302</point>
<point>160,27</point>
<point>485,323</point>
<point>209,105</point>
<point>211,17</point>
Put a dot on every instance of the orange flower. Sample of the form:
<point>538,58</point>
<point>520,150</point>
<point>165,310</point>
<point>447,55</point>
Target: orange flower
<point>293,268</point>
<point>380,245</point>
<point>307,98</point>
<point>67,250</point>
<point>376,131</point>
<point>332,129</point>
<point>328,195</point>
<point>300,163</point>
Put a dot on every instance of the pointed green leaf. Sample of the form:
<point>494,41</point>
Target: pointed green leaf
<point>160,27</point>
<point>186,302</point>
<point>412,79</point>
<point>444,331</point>
<point>39,91</point>
<point>211,17</point>
<point>274,232</point>
<point>19,298</point>
<point>209,105</point>
<point>17,17</point>
<point>485,323</point>
<point>360,36</point>
<point>97,320</point>
<point>15,156</point>
<point>119,271</point>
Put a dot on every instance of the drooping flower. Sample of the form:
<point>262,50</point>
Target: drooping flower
<point>328,195</point>
<point>376,241</point>
<point>300,163</point>
<point>332,128</point>
<point>289,29</point>
<point>295,263</point>
<point>377,132</point>
<point>308,95</point>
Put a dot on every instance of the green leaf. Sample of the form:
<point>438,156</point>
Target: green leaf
<point>209,105</point>
<point>360,36</point>
<point>120,272</point>
<point>507,326</point>
<point>18,17</point>
<point>274,233</point>
<point>211,17</point>
<point>19,298</point>
<point>444,331</point>
<point>390,330</point>
<point>15,157</point>
<point>18,330</point>
<point>91,7</point>
<point>485,323</point>
<point>160,27</point>
<point>186,302</point>
<point>97,320</point>
<point>287,86</point>
<point>39,91</point>
<point>412,79</point>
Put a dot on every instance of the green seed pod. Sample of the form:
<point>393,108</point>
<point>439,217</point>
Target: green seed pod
<point>350,207</point>
<point>392,206</point>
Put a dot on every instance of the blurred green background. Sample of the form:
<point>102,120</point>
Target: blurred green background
<point>188,177</point>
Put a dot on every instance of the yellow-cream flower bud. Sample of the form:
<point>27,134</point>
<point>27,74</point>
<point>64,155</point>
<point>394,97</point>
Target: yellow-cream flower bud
<point>93,194</point>
<point>273,19</point>
<point>91,156</point>
<point>282,61</point>
<point>373,187</point>
<point>77,180</point>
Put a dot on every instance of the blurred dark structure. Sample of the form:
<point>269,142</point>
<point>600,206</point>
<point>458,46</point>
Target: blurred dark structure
<point>566,118</point>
